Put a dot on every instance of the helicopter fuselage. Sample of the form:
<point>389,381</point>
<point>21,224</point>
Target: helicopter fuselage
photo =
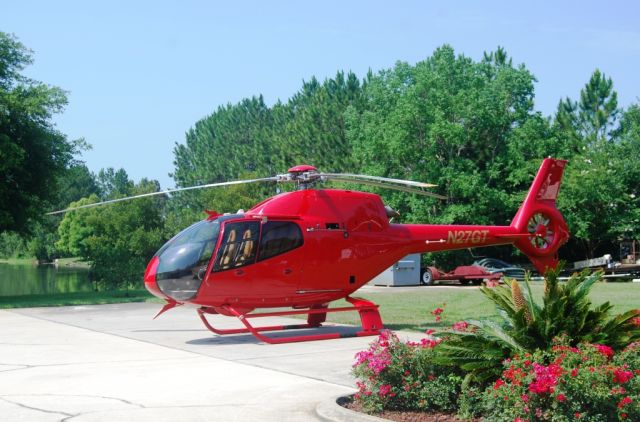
<point>331,242</point>
<point>306,248</point>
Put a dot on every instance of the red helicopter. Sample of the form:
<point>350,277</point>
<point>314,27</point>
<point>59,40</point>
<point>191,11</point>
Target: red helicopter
<point>306,248</point>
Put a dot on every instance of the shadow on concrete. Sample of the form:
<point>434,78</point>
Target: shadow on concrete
<point>343,331</point>
<point>169,331</point>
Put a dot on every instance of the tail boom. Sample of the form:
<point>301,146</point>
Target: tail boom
<point>538,228</point>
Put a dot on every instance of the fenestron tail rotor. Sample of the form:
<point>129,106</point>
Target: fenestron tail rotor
<point>541,231</point>
<point>304,176</point>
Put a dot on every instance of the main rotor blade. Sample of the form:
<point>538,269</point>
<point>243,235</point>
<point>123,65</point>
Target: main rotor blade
<point>399,187</point>
<point>379,179</point>
<point>144,195</point>
<point>408,186</point>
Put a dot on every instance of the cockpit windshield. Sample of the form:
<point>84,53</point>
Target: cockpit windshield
<point>183,260</point>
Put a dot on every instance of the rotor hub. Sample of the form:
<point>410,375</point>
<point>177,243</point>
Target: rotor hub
<point>301,168</point>
<point>304,175</point>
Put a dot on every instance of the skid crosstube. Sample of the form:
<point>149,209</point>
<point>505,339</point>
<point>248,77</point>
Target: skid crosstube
<point>369,318</point>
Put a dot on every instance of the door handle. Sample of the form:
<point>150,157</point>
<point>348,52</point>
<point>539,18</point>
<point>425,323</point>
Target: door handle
<point>239,272</point>
<point>287,271</point>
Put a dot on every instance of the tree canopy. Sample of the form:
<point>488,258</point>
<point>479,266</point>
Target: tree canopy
<point>118,239</point>
<point>33,153</point>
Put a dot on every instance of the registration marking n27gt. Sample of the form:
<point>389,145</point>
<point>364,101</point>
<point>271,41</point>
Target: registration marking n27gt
<point>467,236</point>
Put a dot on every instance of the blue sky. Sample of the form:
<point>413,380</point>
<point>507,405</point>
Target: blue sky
<point>141,73</point>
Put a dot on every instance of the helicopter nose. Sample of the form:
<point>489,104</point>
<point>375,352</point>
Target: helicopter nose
<point>150,279</point>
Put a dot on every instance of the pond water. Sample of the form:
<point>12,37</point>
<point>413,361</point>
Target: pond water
<point>33,279</point>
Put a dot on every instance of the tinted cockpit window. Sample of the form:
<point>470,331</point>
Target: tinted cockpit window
<point>279,237</point>
<point>183,260</point>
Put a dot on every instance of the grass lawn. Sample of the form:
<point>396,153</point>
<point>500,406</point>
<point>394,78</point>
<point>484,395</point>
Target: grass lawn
<point>411,309</point>
<point>62,262</point>
<point>19,261</point>
<point>78,298</point>
<point>400,308</point>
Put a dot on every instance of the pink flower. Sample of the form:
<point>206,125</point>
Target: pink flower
<point>574,372</point>
<point>621,376</point>
<point>513,374</point>
<point>438,318</point>
<point>499,383</point>
<point>561,397</point>
<point>437,311</point>
<point>525,398</point>
<point>376,360</point>
<point>461,326</point>
<point>429,332</point>
<point>625,401</point>
<point>605,350</point>
<point>427,343</point>
<point>546,378</point>
<point>384,390</point>
<point>577,415</point>
<point>636,321</point>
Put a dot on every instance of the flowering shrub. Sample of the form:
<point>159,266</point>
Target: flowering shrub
<point>401,375</point>
<point>564,360</point>
<point>585,383</point>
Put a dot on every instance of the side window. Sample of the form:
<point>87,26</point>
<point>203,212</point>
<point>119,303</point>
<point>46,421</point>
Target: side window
<point>279,237</point>
<point>239,245</point>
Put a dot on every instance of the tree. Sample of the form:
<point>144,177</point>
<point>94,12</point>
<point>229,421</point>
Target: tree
<point>314,131</point>
<point>12,245</point>
<point>75,183</point>
<point>249,138</point>
<point>628,152</point>
<point>467,126</point>
<point>118,239</point>
<point>593,118</point>
<point>594,200</point>
<point>111,183</point>
<point>32,152</point>
<point>599,196</point>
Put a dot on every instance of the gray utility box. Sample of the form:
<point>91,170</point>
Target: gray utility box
<point>405,272</point>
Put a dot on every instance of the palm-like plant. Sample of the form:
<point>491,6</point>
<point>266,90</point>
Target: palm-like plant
<point>525,326</point>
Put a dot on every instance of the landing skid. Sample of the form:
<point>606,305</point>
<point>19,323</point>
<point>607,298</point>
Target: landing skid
<point>369,318</point>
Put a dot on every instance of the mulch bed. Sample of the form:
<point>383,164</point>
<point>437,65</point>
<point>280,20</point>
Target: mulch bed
<point>404,415</point>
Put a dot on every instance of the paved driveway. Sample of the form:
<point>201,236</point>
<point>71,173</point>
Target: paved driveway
<point>113,362</point>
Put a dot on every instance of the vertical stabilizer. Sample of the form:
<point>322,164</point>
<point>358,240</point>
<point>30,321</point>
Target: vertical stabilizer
<point>539,218</point>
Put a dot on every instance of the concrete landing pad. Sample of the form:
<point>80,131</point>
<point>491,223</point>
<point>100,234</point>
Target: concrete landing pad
<point>113,362</point>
